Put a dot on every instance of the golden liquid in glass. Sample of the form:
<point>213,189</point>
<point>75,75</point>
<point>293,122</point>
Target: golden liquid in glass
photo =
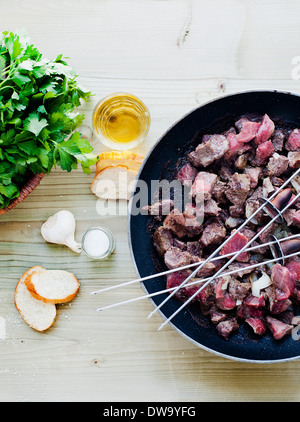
<point>121,119</point>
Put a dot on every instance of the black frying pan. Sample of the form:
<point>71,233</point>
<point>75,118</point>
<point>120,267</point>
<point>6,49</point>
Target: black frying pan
<point>213,117</point>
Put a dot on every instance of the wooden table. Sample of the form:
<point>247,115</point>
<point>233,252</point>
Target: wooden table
<point>175,55</point>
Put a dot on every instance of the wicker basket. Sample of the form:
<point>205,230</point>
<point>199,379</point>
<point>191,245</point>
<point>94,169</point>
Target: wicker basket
<point>25,191</point>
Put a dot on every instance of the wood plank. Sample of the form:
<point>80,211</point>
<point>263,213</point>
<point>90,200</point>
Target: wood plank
<point>175,55</point>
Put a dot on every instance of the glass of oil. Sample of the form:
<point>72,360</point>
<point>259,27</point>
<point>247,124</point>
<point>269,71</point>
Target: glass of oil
<point>121,121</point>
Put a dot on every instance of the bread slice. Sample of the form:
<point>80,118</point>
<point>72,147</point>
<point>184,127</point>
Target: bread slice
<point>115,182</point>
<point>129,159</point>
<point>37,314</point>
<point>53,286</point>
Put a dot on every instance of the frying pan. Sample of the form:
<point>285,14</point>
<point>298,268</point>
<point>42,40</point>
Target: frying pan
<point>213,117</point>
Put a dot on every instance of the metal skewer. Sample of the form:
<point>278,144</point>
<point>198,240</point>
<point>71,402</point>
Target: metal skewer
<point>198,281</point>
<point>229,238</point>
<point>228,262</point>
<point>194,264</point>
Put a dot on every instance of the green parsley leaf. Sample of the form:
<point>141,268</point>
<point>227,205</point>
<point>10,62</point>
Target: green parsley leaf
<point>38,115</point>
<point>34,125</point>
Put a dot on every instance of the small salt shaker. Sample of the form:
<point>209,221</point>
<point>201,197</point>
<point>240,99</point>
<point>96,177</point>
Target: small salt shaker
<point>98,243</point>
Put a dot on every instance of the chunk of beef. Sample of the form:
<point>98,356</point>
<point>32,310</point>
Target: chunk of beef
<point>259,249</point>
<point>240,268</point>
<point>250,208</point>
<point>236,146</point>
<point>241,162</point>
<point>208,269</point>
<point>225,328</point>
<point>213,234</point>
<point>194,248</point>
<point>283,281</point>
<point>294,268</point>
<point>216,315</point>
<point>238,188</point>
<point>278,328</point>
<point>278,140</point>
<point>174,280</point>
<point>257,324</point>
<point>265,130</point>
<point>206,153</point>
<point>175,222</point>
<point>211,208</point>
<point>252,205</point>
<point>287,317</point>
<point>232,223</point>
<point>205,296</point>
<point>292,217</point>
<point>218,191</point>
<point>276,306</point>
<point>187,174</point>
<point>277,164</point>
<point>239,123</point>
<point>203,186</point>
<point>256,302</point>
<point>193,210</point>
<point>248,232</point>
<point>162,240</point>
<point>179,244</point>
<point>257,193</point>
<point>226,303</point>
<point>253,173</point>
<point>296,294</point>
<point>294,159</point>
<point>160,208</point>
<point>248,129</point>
<point>293,142</point>
<point>235,244</point>
<point>220,286</point>
<point>237,210</point>
<point>182,225</point>
<point>245,311</point>
<point>268,187</point>
<point>266,233</point>
<point>276,181</point>
<point>225,172</point>
<point>193,223</point>
<point>289,216</point>
<point>232,129</point>
<point>263,152</point>
<point>219,144</point>
<point>238,290</point>
<point>175,258</point>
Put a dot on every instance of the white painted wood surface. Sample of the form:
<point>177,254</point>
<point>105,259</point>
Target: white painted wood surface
<point>175,55</point>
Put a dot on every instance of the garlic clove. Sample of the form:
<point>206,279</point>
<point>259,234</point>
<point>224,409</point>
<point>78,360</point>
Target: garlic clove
<point>60,229</point>
<point>74,246</point>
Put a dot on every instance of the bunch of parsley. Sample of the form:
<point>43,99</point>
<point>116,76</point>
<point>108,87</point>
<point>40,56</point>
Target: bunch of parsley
<point>38,118</point>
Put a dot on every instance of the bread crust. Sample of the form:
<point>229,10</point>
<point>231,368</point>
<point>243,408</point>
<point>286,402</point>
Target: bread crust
<point>21,290</point>
<point>129,159</point>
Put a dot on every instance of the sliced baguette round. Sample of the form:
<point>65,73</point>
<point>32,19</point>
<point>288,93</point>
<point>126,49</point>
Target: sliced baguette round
<point>53,286</point>
<point>129,159</point>
<point>38,315</point>
<point>115,182</point>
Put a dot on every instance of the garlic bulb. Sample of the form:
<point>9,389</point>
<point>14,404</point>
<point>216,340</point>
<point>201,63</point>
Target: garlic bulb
<point>60,229</point>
